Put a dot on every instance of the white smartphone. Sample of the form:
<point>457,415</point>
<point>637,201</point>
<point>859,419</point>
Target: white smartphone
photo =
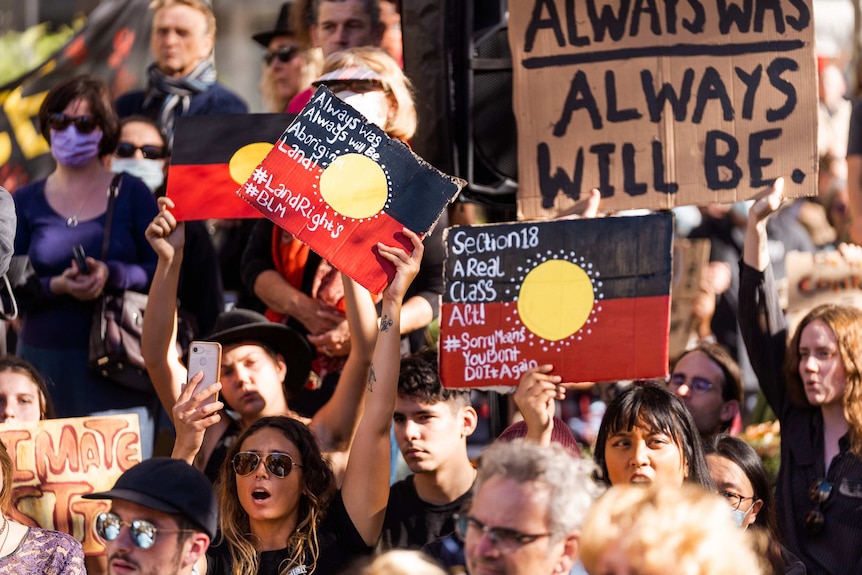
<point>205,356</point>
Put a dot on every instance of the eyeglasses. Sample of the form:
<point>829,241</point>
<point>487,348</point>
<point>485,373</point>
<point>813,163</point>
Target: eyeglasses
<point>143,532</point>
<point>357,86</point>
<point>279,464</point>
<point>506,540</point>
<point>735,499</point>
<point>84,124</point>
<point>819,492</point>
<point>696,384</point>
<point>284,54</point>
<point>127,150</point>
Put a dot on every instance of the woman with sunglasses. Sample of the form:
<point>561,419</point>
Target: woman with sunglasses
<point>68,209</point>
<point>647,436</point>
<point>26,549</point>
<point>741,478</point>
<point>814,386</point>
<point>280,510</point>
<point>142,151</point>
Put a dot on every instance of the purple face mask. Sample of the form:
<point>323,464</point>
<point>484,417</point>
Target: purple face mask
<point>74,149</point>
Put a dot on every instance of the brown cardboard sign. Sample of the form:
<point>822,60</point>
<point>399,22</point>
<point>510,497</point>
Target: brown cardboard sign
<point>660,104</point>
<point>818,278</point>
<point>690,257</point>
<point>57,461</point>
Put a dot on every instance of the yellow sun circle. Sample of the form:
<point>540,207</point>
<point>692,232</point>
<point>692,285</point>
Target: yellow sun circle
<point>355,186</point>
<point>246,159</point>
<point>556,299</point>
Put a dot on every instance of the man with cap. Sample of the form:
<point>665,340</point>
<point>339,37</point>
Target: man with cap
<point>163,516</point>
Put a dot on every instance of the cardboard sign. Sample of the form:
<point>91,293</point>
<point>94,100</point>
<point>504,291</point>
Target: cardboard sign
<point>213,155</point>
<point>817,278</point>
<point>590,297</point>
<point>340,185</point>
<point>660,104</point>
<point>57,461</point>
<point>689,258</point>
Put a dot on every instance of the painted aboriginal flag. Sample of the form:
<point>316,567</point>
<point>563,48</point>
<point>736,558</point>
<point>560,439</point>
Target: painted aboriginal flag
<point>340,185</point>
<point>212,156</point>
<point>590,297</point>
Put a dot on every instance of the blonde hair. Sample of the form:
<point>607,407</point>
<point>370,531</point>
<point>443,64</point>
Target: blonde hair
<point>402,562</point>
<point>312,60</point>
<point>402,121</point>
<point>202,6</point>
<point>664,530</point>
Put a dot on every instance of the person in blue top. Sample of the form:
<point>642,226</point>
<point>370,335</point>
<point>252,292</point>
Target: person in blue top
<point>182,80</point>
<point>66,209</point>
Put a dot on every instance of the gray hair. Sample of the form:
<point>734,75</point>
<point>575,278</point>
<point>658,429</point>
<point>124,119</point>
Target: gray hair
<point>572,490</point>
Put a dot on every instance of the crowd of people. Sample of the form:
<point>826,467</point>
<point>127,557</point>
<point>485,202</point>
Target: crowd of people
<point>284,465</point>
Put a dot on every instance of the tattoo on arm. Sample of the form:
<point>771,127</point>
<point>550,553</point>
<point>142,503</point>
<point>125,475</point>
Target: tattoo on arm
<point>371,378</point>
<point>385,323</point>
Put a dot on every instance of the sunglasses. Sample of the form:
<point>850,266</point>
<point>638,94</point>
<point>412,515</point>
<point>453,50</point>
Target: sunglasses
<point>279,464</point>
<point>143,532</point>
<point>697,384</point>
<point>284,54</point>
<point>127,150</point>
<point>505,539</point>
<point>819,492</point>
<point>84,124</point>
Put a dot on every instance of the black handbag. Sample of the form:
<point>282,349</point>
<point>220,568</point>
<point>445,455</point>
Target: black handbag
<point>118,320</point>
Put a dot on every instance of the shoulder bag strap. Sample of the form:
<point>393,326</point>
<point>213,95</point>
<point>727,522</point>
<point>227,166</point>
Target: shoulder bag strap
<point>113,191</point>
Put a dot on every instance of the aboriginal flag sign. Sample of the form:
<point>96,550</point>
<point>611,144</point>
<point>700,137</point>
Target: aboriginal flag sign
<point>340,185</point>
<point>215,154</point>
<point>590,297</point>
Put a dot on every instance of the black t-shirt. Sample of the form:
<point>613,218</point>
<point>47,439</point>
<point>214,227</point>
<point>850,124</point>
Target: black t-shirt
<point>410,522</point>
<point>340,544</point>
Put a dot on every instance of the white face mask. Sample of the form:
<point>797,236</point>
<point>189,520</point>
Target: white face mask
<point>152,172</point>
<point>373,105</point>
<point>740,515</point>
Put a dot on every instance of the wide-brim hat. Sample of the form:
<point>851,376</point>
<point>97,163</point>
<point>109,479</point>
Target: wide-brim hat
<point>169,485</point>
<point>349,74</point>
<point>247,326</point>
<point>282,27</point>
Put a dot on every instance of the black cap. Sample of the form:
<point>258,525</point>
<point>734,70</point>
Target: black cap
<point>247,326</point>
<point>282,27</point>
<point>168,485</point>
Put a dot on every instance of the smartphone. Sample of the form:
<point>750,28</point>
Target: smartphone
<point>205,356</point>
<point>80,258</point>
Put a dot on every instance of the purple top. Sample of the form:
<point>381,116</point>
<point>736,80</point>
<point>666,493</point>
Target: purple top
<point>47,553</point>
<point>55,321</point>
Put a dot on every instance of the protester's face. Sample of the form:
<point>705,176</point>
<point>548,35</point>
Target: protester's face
<point>19,398</point>
<point>430,435</point>
<point>731,480</point>
<point>820,365</point>
<point>692,373</point>
<point>644,456</point>
<point>180,39</point>
<point>341,25</point>
<point>267,499</point>
<point>166,556</point>
<point>285,76</point>
<point>252,381</point>
<point>523,507</point>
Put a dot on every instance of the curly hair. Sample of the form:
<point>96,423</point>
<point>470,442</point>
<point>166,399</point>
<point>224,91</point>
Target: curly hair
<point>93,91</point>
<point>318,490</point>
<point>846,324</point>
<point>662,411</point>
<point>419,379</point>
<point>25,368</point>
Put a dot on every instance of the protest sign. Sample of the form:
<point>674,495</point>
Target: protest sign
<point>591,297</point>
<point>819,278</point>
<point>56,461</point>
<point>213,156</point>
<point>660,104</point>
<point>340,185</point>
<point>690,257</point>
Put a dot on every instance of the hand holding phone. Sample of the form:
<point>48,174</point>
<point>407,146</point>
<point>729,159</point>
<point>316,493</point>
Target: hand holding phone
<point>81,259</point>
<point>205,356</point>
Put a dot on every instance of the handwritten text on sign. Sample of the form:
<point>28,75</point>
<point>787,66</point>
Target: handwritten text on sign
<point>57,461</point>
<point>662,103</point>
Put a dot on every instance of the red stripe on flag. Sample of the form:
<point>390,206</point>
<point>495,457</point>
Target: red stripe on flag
<point>206,191</point>
<point>487,346</point>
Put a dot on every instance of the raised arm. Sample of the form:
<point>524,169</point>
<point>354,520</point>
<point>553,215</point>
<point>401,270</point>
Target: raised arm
<point>158,341</point>
<point>366,483</point>
<point>535,397</point>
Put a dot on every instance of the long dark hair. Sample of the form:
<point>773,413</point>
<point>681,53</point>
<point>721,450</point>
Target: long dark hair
<point>661,411</point>
<point>743,455</point>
